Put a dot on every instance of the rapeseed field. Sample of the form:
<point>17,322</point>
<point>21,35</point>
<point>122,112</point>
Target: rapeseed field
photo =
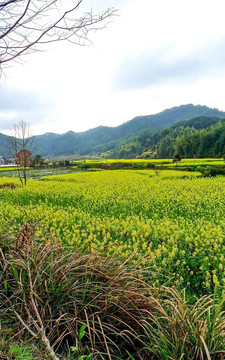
<point>171,221</point>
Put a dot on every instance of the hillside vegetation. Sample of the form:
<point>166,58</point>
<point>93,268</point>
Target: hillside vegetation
<point>201,137</point>
<point>120,141</point>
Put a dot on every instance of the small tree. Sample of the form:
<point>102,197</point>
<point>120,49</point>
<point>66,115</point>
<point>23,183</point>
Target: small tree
<point>20,144</point>
<point>37,160</point>
<point>176,158</point>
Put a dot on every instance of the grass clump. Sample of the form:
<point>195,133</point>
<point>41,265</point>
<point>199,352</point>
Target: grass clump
<point>90,307</point>
<point>186,330</point>
<point>8,185</point>
<point>54,293</point>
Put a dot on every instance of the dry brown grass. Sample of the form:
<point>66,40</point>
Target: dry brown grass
<point>53,293</point>
<point>186,330</point>
<point>49,293</point>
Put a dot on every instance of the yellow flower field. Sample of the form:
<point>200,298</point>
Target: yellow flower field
<point>158,162</point>
<point>170,220</point>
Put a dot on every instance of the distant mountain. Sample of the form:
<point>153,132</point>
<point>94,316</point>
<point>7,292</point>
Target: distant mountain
<point>200,137</point>
<point>102,138</point>
<point>166,118</point>
<point>3,145</point>
<point>108,140</point>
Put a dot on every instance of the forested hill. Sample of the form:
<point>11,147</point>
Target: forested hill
<point>113,141</point>
<point>200,137</point>
<point>103,139</point>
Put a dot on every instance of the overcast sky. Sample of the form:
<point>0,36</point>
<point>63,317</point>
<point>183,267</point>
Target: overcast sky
<point>155,55</point>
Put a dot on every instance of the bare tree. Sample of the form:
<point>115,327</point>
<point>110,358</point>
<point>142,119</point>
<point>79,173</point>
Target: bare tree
<point>24,24</point>
<point>20,145</point>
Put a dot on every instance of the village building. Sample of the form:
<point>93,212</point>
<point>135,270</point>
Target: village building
<point>23,158</point>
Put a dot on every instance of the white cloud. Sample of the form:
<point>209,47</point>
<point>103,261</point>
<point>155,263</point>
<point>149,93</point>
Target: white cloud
<point>152,67</point>
<point>155,55</point>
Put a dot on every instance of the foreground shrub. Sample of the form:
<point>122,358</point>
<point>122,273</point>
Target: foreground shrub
<point>184,330</point>
<point>94,307</point>
<point>53,294</point>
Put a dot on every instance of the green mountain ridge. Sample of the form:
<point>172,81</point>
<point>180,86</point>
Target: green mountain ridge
<point>200,137</point>
<point>110,140</point>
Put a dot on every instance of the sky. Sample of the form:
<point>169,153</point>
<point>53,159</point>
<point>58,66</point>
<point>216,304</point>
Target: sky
<point>153,55</point>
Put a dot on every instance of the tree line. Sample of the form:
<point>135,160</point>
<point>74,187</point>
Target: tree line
<point>200,137</point>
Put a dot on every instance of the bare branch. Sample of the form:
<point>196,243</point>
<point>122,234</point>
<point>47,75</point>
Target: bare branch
<point>26,23</point>
<point>20,145</point>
